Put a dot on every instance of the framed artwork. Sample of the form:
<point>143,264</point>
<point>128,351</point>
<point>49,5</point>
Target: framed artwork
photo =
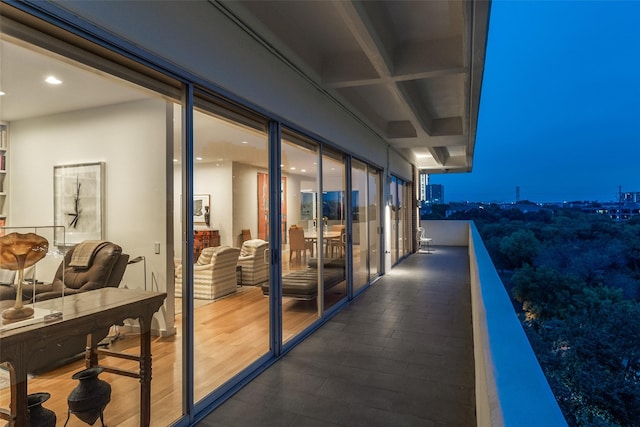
<point>78,206</point>
<point>263,206</point>
<point>201,209</point>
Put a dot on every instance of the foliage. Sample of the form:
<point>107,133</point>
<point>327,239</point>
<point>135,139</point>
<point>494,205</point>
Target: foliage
<point>576,277</point>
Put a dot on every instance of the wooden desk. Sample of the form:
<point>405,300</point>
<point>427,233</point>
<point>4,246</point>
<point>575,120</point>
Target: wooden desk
<point>25,348</point>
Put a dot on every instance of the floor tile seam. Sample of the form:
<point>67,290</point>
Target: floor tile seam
<point>390,396</point>
<point>408,394</point>
<point>391,413</point>
<point>415,335</point>
<point>305,396</point>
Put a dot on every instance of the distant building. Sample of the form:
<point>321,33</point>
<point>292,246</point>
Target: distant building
<point>424,181</point>
<point>631,197</point>
<point>434,193</point>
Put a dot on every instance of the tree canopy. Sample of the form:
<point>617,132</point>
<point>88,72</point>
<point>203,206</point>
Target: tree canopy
<point>576,280</point>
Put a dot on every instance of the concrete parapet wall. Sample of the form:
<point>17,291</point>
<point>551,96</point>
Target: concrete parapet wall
<point>447,233</point>
<point>511,389</point>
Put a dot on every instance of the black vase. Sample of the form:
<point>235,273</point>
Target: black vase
<point>40,416</point>
<point>88,400</point>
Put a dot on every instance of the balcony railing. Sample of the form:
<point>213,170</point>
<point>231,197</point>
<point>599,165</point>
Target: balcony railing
<point>511,389</point>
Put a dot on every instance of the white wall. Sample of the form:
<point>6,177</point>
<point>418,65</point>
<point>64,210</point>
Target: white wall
<point>216,179</point>
<point>447,233</point>
<point>245,200</point>
<point>198,38</point>
<point>130,138</point>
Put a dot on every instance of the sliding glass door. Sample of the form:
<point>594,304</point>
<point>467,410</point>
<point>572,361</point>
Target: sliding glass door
<point>334,227</point>
<point>365,200</point>
<point>231,314</point>
<point>373,221</point>
<point>301,223</point>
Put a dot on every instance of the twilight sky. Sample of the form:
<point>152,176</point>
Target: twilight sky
<point>560,104</point>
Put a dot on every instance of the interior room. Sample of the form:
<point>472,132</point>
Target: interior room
<point>89,156</point>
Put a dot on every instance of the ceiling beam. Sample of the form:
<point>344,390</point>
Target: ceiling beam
<point>440,154</point>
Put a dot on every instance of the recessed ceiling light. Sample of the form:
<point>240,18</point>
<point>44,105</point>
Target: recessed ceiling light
<point>198,158</point>
<point>52,80</point>
<point>2,93</point>
<point>245,142</point>
<point>292,168</point>
<point>303,170</point>
<point>175,160</point>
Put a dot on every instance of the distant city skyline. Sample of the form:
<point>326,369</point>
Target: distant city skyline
<point>559,105</point>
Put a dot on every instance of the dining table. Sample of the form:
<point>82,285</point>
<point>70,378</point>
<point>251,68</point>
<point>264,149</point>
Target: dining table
<point>327,236</point>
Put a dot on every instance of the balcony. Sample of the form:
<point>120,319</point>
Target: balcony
<point>511,388</point>
<point>433,342</point>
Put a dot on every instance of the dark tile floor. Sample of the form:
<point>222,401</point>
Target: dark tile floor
<point>401,354</point>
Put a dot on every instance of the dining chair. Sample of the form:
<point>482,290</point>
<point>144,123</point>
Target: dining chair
<point>423,240</point>
<point>297,244</point>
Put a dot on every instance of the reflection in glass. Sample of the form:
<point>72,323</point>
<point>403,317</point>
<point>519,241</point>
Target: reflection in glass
<point>373,220</point>
<point>360,220</point>
<point>300,243</point>
<point>334,235</point>
<point>231,314</point>
<point>394,207</point>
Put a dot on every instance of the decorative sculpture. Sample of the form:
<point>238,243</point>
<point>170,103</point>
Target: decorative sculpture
<point>89,398</point>
<point>17,252</point>
<point>40,416</point>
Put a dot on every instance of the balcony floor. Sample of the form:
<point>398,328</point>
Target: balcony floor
<point>401,354</point>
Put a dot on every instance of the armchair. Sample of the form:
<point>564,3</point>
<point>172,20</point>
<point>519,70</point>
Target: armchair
<point>95,265</point>
<point>214,273</point>
<point>254,270</point>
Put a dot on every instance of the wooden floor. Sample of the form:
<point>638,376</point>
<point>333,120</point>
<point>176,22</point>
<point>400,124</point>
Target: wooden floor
<point>230,333</point>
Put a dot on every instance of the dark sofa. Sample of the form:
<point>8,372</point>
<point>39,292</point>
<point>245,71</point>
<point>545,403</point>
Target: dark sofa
<point>303,284</point>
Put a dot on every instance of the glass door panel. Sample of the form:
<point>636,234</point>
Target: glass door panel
<point>124,132</point>
<point>394,220</point>
<point>231,314</point>
<point>300,219</point>
<point>373,221</point>
<point>334,227</point>
<point>360,231</point>
<point>400,218</point>
<point>408,236</point>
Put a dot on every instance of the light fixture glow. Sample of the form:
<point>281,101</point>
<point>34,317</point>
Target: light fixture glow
<point>303,170</point>
<point>245,142</point>
<point>292,168</point>
<point>2,93</point>
<point>52,80</point>
<point>198,158</point>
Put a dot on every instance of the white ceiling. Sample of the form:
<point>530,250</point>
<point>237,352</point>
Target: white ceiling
<point>22,77</point>
<point>411,70</point>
